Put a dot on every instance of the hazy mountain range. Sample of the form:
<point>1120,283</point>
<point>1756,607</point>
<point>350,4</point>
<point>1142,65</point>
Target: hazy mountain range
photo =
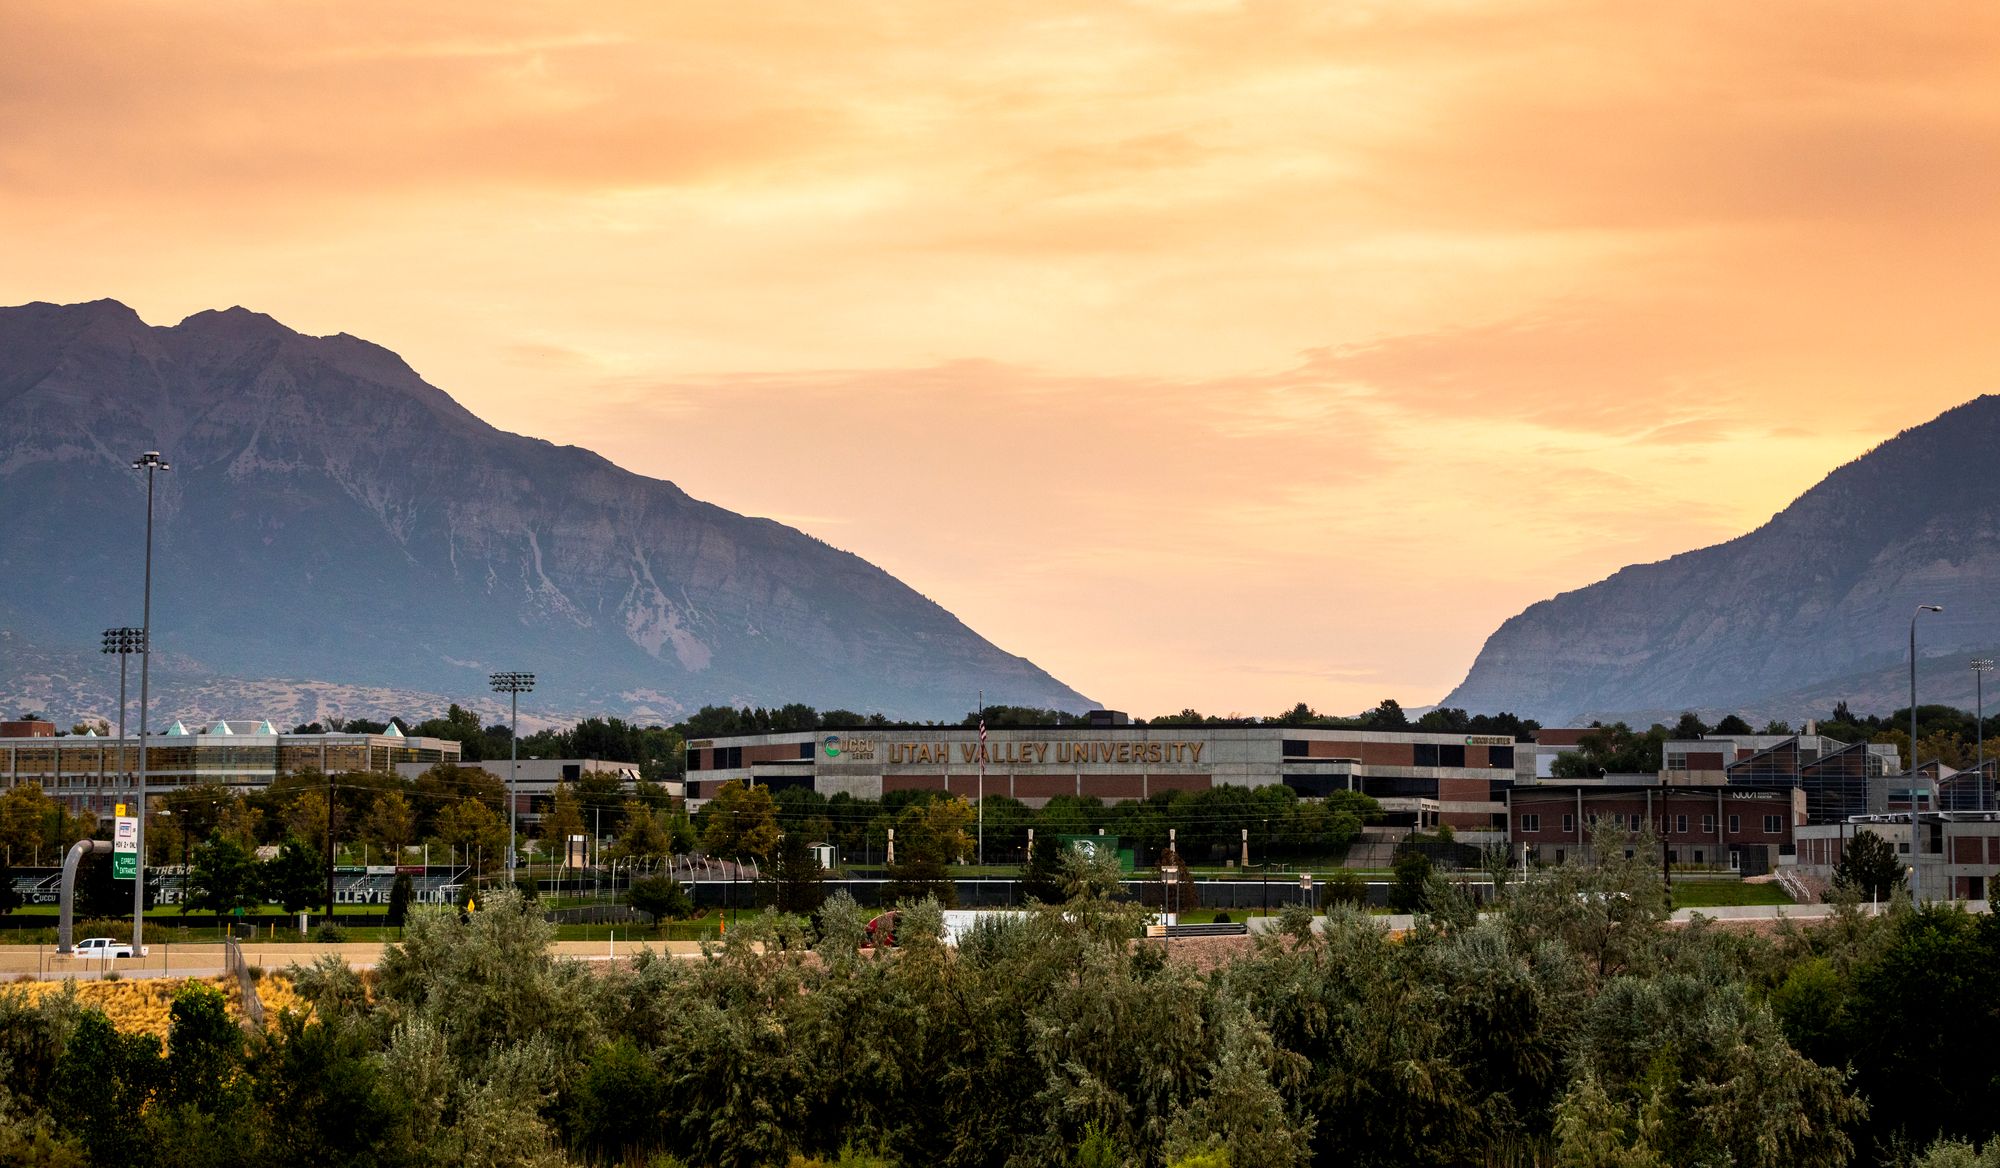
<point>337,536</point>
<point>1811,608</point>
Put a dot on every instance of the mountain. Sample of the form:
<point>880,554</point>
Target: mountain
<point>1811,608</point>
<point>336,532</point>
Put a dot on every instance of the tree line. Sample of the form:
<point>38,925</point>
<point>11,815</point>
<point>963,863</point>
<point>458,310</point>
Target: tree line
<point>1571,1025</point>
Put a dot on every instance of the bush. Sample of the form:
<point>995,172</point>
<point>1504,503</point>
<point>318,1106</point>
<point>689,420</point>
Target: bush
<point>1344,886</point>
<point>1223,918</point>
<point>329,933</point>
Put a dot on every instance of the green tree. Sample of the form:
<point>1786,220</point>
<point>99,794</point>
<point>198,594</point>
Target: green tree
<point>563,820</point>
<point>1413,872</point>
<point>401,893</point>
<point>741,820</point>
<point>221,879</point>
<point>294,878</point>
<point>391,823</point>
<point>797,880</point>
<point>660,897</point>
<point>1869,868</point>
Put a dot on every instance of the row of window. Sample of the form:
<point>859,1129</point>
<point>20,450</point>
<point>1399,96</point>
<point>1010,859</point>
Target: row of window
<point>1773,824</point>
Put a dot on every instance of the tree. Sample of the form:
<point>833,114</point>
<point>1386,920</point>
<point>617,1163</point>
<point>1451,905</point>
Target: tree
<point>391,823</point>
<point>644,835</point>
<point>929,836</point>
<point>660,897</point>
<point>1387,715</point>
<point>1413,871</point>
<point>9,899</point>
<point>471,825</point>
<point>1690,725</point>
<point>741,820</point>
<point>563,820</point>
<point>1869,868</point>
<point>223,878</point>
<point>1733,724</point>
<point>295,877</point>
<point>796,876</point>
<point>1041,878</point>
<point>401,893</point>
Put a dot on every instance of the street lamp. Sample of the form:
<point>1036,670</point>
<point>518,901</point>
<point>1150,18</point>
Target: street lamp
<point>1169,874</point>
<point>1979,668</point>
<point>1916,849</point>
<point>124,642</point>
<point>513,685</point>
<point>152,464</point>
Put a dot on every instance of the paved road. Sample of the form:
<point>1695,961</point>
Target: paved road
<point>205,960</point>
<point>1396,922</point>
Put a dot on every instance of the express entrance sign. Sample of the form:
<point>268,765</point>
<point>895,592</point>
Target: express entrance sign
<point>125,848</point>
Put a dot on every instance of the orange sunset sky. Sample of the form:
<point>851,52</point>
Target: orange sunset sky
<point>1211,354</point>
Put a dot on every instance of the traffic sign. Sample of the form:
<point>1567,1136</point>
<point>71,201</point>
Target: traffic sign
<point>125,848</point>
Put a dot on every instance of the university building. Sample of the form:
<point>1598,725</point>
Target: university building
<point>1421,780</point>
<point>85,770</point>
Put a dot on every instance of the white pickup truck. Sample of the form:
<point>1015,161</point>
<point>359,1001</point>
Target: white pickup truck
<point>102,947</point>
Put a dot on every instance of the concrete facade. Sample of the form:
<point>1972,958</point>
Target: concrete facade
<point>1421,780</point>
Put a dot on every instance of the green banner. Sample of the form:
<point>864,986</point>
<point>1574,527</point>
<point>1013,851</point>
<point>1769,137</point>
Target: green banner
<point>124,865</point>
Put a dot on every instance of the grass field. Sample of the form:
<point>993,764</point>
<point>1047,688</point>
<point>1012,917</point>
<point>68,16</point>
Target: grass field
<point>1726,894</point>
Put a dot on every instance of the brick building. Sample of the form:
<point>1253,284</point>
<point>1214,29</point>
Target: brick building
<point>1733,828</point>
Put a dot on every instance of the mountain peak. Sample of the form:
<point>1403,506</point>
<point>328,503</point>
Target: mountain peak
<point>333,516</point>
<point>1821,592</point>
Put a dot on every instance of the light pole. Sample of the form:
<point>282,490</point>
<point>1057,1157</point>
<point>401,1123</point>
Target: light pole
<point>1916,822</point>
<point>1979,668</point>
<point>513,685</point>
<point>124,642</point>
<point>1169,873</point>
<point>152,464</point>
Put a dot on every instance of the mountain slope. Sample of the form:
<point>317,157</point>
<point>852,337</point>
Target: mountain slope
<point>332,517</point>
<point>1822,592</point>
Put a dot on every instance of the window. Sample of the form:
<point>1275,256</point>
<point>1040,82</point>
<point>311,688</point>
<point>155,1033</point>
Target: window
<point>694,760</point>
<point>806,749</point>
<point>1735,824</point>
<point>1452,756</point>
<point>1531,823</point>
<point>1500,756</point>
<point>1677,761</point>
<point>1569,823</point>
<point>1426,754</point>
<point>1673,855</point>
<point>1638,823</point>
<point>1295,748</point>
<point>1707,825</point>
<point>1773,825</point>
<point>1697,855</point>
<point>1680,824</point>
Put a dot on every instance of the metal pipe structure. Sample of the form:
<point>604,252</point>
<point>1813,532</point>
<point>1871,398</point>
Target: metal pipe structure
<point>152,464</point>
<point>1916,817</point>
<point>64,927</point>
<point>1979,668</point>
<point>513,685</point>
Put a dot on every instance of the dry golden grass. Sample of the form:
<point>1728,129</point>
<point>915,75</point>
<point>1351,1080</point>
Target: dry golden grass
<point>140,1005</point>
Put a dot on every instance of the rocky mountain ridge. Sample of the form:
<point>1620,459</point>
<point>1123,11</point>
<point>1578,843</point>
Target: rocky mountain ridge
<point>1809,608</point>
<point>333,520</point>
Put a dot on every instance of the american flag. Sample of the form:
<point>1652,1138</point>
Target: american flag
<point>982,736</point>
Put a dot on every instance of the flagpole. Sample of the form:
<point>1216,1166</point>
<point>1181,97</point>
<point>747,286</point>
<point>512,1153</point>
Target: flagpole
<point>982,778</point>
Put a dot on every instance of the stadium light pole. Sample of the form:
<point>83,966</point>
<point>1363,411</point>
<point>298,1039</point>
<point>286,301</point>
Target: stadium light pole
<point>513,685</point>
<point>1979,668</point>
<point>124,642</point>
<point>1916,850</point>
<point>152,464</point>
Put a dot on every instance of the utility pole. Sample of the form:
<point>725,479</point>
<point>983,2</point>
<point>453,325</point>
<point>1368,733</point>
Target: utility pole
<point>152,464</point>
<point>513,685</point>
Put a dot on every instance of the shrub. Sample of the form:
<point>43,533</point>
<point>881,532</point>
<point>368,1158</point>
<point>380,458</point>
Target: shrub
<point>329,933</point>
<point>1223,918</point>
